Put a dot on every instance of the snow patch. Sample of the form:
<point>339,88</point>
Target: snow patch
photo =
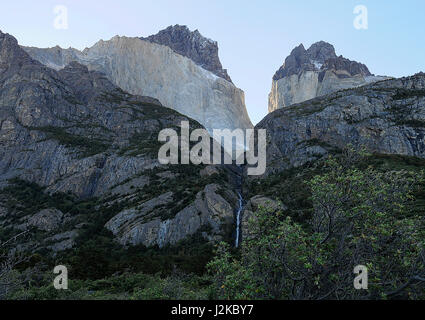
<point>318,65</point>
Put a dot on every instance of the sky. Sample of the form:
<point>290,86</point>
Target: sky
<point>254,37</point>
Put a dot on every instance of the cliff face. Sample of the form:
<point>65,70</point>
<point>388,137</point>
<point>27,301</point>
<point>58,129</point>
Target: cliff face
<point>44,113</point>
<point>193,45</point>
<point>386,117</point>
<point>146,68</point>
<point>76,135</point>
<point>314,72</point>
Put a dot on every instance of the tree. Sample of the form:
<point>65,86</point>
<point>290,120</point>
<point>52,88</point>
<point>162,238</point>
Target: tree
<point>10,258</point>
<point>359,217</point>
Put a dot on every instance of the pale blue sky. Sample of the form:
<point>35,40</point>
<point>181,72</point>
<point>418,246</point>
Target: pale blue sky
<point>254,36</point>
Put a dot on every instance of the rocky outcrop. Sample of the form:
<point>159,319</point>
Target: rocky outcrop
<point>191,44</point>
<point>144,225</point>
<point>314,72</point>
<point>147,68</point>
<point>46,220</point>
<point>209,170</point>
<point>386,117</point>
<point>62,241</point>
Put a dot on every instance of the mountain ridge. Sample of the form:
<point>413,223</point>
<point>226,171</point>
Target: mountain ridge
<point>150,69</point>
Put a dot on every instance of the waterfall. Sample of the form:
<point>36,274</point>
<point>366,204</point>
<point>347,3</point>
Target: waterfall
<point>238,218</point>
<point>240,206</point>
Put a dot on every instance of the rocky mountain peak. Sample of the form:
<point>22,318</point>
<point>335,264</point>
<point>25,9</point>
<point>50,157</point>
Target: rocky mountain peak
<point>296,62</point>
<point>321,51</point>
<point>193,45</point>
<point>313,72</point>
<point>320,56</point>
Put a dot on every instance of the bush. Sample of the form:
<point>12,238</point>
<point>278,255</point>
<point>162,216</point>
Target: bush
<point>359,217</point>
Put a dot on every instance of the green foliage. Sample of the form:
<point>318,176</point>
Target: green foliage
<point>408,93</point>
<point>142,143</point>
<point>129,286</point>
<point>290,187</point>
<point>305,109</point>
<point>22,198</point>
<point>318,142</point>
<point>414,123</point>
<point>116,96</point>
<point>96,255</point>
<point>358,217</point>
<point>88,146</point>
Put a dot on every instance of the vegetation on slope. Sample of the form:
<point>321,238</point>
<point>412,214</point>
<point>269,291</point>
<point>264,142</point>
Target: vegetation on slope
<point>360,212</point>
<point>351,209</point>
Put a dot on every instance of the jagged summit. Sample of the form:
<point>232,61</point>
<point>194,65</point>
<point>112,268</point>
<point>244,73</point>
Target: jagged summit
<point>193,45</point>
<point>320,56</point>
<point>313,72</point>
<point>321,51</point>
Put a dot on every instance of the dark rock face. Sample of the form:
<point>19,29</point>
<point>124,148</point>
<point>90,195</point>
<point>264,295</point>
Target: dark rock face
<point>87,84</point>
<point>296,62</point>
<point>193,45</point>
<point>10,53</point>
<point>352,67</point>
<point>43,111</point>
<point>319,57</point>
<point>386,117</point>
